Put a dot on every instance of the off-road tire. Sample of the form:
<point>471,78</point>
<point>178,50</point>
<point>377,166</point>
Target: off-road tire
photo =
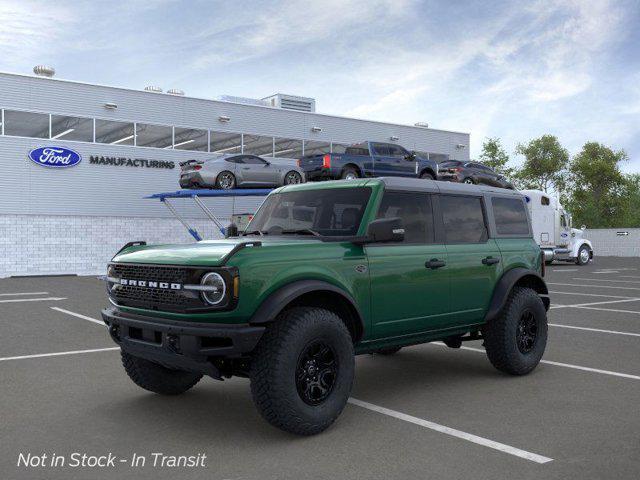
<point>500,334</point>
<point>388,351</point>
<point>156,378</point>
<point>579,260</point>
<point>275,364</point>
<point>427,176</point>
<point>349,172</point>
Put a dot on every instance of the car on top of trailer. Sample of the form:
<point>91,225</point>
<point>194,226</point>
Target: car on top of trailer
<point>326,271</point>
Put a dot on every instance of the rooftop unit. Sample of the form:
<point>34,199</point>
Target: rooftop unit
<point>291,102</point>
<point>244,100</point>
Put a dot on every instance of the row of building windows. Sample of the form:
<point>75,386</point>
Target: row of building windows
<point>94,130</point>
<point>52,127</point>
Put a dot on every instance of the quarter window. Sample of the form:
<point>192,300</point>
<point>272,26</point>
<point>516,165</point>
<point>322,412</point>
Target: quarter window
<point>414,209</point>
<point>463,219</point>
<point>510,216</point>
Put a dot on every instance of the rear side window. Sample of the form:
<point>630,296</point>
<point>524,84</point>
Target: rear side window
<point>380,149</point>
<point>414,209</point>
<point>510,216</point>
<point>463,219</point>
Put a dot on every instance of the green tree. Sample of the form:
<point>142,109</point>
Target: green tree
<point>494,155</point>
<point>631,217</point>
<point>545,164</point>
<point>598,195</point>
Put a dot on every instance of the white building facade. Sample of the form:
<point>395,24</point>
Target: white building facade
<point>130,143</point>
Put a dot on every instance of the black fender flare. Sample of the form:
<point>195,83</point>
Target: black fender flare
<point>276,301</point>
<point>430,170</point>
<point>506,283</point>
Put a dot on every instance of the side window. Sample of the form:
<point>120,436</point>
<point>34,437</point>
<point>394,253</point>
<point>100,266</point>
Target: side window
<point>397,151</point>
<point>463,219</point>
<point>414,209</point>
<point>250,159</point>
<point>380,149</point>
<point>234,160</point>
<point>510,215</point>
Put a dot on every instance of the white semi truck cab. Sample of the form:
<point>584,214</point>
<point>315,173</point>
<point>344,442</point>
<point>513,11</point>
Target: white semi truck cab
<point>553,232</point>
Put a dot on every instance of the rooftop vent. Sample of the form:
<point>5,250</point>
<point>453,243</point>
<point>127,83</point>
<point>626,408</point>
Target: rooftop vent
<point>292,102</point>
<point>152,88</point>
<point>44,71</point>
<point>175,91</point>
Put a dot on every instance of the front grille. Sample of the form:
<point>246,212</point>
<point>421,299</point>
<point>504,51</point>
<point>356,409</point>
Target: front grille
<point>157,291</point>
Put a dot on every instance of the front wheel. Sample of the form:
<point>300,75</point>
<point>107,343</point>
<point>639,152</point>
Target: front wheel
<point>302,370</point>
<point>584,255</point>
<point>515,341</point>
<point>292,178</point>
<point>226,181</point>
<point>427,176</point>
<point>156,378</point>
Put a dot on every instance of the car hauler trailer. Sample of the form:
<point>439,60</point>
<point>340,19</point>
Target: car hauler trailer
<point>553,232</point>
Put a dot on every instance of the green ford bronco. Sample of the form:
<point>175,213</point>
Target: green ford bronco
<point>326,271</point>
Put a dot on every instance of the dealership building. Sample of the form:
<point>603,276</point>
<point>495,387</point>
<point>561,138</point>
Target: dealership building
<point>129,144</point>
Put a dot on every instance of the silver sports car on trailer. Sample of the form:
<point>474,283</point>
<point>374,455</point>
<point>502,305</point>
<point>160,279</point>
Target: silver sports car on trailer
<point>239,170</point>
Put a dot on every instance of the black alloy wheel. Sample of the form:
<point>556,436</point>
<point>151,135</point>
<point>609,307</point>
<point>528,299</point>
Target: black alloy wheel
<point>316,372</point>
<point>527,332</point>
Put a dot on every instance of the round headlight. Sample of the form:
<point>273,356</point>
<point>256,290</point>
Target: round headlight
<point>215,288</point>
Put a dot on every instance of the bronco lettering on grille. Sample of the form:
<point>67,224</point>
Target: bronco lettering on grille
<point>150,284</point>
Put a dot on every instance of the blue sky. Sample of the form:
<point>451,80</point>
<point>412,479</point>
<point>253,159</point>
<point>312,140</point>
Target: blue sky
<point>515,70</point>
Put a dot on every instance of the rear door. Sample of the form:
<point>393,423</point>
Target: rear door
<point>407,295</point>
<point>475,263</point>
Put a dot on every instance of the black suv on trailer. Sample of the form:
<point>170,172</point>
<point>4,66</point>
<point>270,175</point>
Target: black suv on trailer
<point>471,172</point>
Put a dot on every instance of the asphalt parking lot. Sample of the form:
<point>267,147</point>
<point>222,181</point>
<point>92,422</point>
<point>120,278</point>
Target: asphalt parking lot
<point>427,412</point>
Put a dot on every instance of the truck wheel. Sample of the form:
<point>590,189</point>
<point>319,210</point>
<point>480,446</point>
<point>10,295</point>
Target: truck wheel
<point>156,378</point>
<point>225,180</point>
<point>349,173</point>
<point>302,370</point>
<point>516,340</point>
<point>388,351</point>
<point>469,181</point>
<point>583,255</point>
<point>427,176</point>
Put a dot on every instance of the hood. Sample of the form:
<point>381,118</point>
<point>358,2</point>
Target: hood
<point>577,232</point>
<point>207,252</point>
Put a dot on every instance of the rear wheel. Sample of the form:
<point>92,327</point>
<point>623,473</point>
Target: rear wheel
<point>427,176</point>
<point>156,378</point>
<point>349,173</point>
<point>292,178</point>
<point>516,340</point>
<point>302,370</point>
<point>469,181</point>
<point>584,255</point>
<point>225,181</point>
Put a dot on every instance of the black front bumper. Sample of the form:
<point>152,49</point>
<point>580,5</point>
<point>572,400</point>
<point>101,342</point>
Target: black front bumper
<point>180,345</point>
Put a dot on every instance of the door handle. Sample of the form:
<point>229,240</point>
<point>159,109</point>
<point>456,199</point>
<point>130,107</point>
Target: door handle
<point>490,261</point>
<point>434,263</point>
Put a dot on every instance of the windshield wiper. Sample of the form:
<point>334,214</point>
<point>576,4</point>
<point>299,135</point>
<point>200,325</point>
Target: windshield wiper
<point>302,231</point>
<point>254,232</point>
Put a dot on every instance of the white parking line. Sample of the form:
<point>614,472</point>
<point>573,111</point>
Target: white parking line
<point>559,364</point>
<point>563,270</point>
<point>47,299</point>
<point>84,317</point>
<point>589,294</point>
<point>23,293</point>
<point>628,276</point>
<point>57,354</point>
<point>605,272</point>
<point>592,286</point>
<point>605,280</point>
<point>599,330</point>
<point>485,442</point>
<point>609,310</point>
<point>595,303</point>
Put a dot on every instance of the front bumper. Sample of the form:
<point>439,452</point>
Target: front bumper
<point>180,345</point>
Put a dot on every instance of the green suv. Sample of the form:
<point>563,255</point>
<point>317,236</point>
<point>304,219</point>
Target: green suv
<point>326,271</point>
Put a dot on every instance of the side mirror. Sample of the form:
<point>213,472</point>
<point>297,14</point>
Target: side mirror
<point>385,230</point>
<point>410,156</point>
<point>231,231</point>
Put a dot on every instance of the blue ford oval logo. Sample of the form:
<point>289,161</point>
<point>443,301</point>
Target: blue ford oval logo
<point>56,157</point>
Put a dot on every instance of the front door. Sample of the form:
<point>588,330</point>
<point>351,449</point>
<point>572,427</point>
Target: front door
<point>257,171</point>
<point>404,165</point>
<point>409,280</point>
<point>474,263</point>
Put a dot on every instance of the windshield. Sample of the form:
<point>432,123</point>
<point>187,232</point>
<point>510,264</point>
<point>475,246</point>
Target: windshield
<point>328,212</point>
